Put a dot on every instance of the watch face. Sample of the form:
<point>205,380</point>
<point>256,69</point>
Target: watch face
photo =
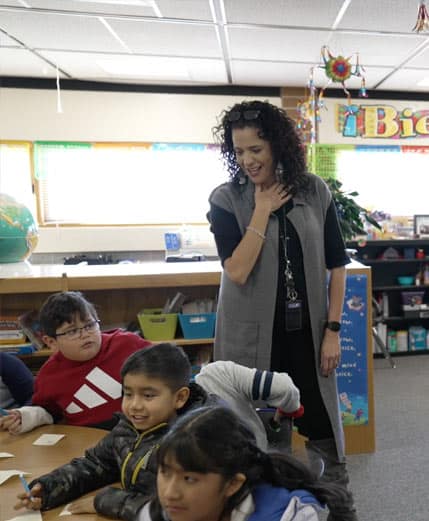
<point>333,326</point>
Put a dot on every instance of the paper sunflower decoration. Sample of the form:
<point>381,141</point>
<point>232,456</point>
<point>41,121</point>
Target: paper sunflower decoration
<point>339,69</point>
<point>422,22</point>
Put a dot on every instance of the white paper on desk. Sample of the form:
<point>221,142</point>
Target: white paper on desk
<point>66,511</point>
<point>6,474</point>
<point>6,455</point>
<point>34,515</point>
<point>48,439</point>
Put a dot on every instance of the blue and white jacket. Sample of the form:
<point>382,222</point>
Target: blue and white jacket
<point>268,503</point>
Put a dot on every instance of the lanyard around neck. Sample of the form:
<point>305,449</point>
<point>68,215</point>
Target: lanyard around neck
<point>291,293</point>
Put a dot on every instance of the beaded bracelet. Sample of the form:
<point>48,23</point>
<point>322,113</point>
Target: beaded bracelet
<point>258,233</point>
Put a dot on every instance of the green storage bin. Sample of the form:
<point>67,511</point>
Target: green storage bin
<point>156,325</point>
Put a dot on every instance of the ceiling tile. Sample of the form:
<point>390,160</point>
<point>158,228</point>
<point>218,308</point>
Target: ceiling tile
<point>20,62</point>
<point>269,73</point>
<point>381,15</point>
<point>407,80</point>
<point>189,9</point>
<point>52,31</point>
<point>93,7</point>
<point>177,39</point>
<point>275,44</point>
<point>374,50</point>
<point>5,41</point>
<point>302,13</point>
<point>93,67</point>
<point>420,61</point>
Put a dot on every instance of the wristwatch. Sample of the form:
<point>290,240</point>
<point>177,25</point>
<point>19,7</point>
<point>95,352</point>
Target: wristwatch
<point>333,325</point>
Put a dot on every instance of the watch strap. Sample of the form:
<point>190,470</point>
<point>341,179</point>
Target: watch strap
<point>333,325</point>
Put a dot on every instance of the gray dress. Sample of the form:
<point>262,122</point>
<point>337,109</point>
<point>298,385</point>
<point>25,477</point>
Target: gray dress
<point>244,326</point>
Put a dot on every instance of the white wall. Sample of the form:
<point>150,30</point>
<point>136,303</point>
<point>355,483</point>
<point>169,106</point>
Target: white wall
<point>31,115</point>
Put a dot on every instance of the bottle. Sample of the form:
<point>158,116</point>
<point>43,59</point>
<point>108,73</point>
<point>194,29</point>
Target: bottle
<point>418,278</point>
<point>426,275</point>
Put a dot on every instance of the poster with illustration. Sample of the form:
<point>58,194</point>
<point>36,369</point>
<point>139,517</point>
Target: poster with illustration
<point>352,372</point>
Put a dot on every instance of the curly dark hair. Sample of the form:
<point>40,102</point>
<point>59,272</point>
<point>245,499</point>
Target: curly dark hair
<point>273,125</point>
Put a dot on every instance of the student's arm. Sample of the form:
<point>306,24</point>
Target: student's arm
<point>97,468</point>
<point>230,380</point>
<point>18,378</point>
<point>127,504</point>
<point>26,419</point>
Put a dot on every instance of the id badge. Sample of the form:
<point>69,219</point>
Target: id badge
<point>293,315</point>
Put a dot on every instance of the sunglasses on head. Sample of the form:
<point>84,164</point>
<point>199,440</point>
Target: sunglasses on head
<point>247,115</point>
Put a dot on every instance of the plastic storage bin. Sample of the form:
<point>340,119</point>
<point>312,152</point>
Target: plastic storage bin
<point>198,325</point>
<point>156,325</point>
<point>412,298</point>
<point>416,338</point>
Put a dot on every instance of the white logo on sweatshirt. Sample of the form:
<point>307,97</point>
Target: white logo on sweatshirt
<point>90,397</point>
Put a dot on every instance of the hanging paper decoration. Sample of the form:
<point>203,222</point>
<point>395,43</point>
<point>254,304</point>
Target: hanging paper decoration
<point>309,111</point>
<point>422,22</point>
<point>59,105</point>
<point>339,69</point>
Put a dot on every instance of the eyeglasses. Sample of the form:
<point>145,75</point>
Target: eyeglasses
<point>76,332</point>
<point>247,115</point>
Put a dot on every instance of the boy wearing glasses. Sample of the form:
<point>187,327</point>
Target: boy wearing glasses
<point>80,383</point>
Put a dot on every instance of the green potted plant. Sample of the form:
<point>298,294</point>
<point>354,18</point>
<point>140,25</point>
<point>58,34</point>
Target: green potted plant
<point>350,214</point>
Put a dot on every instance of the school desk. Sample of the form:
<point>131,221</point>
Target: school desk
<point>38,460</point>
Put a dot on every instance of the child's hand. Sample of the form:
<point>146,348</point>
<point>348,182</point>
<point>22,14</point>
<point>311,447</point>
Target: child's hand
<point>11,422</point>
<point>32,501</point>
<point>84,505</point>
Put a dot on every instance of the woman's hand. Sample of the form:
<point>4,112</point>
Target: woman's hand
<point>84,505</point>
<point>32,501</point>
<point>11,422</point>
<point>271,198</point>
<point>330,352</point>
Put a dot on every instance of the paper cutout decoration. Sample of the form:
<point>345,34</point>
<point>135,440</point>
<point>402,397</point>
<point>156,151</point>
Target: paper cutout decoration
<point>339,69</point>
<point>422,22</point>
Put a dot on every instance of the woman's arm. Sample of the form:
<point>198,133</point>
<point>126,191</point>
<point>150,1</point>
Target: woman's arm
<point>330,350</point>
<point>243,259</point>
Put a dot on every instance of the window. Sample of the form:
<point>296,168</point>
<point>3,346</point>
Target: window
<point>15,173</point>
<point>392,179</point>
<point>103,183</point>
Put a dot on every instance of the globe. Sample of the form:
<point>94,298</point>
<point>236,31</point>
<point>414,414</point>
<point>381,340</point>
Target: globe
<point>18,230</point>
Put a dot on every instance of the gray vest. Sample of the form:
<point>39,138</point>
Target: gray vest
<point>245,313</point>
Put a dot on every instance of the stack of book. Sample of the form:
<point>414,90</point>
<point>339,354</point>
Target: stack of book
<point>11,333</point>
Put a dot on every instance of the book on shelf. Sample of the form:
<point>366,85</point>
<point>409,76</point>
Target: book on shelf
<point>24,348</point>
<point>10,330</point>
<point>30,325</point>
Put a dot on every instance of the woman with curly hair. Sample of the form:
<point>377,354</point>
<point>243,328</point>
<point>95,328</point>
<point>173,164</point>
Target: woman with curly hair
<point>282,288</point>
<point>210,469</point>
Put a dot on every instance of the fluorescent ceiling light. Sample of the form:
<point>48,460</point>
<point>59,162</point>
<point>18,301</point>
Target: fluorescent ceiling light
<point>424,82</point>
<point>146,67</point>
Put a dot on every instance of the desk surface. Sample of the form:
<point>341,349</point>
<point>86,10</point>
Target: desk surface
<point>38,460</point>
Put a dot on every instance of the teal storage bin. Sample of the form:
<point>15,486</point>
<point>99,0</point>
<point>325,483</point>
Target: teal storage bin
<point>198,325</point>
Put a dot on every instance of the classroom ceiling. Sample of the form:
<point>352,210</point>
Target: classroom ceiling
<point>213,42</point>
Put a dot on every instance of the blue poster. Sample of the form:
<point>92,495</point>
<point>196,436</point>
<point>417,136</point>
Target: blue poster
<point>353,370</point>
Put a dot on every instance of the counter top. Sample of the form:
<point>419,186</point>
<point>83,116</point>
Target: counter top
<point>24,277</point>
